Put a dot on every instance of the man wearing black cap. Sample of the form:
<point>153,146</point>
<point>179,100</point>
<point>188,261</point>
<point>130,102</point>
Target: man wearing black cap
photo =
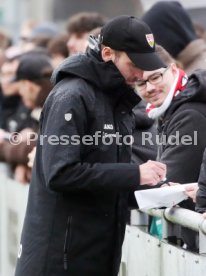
<point>33,76</point>
<point>77,206</point>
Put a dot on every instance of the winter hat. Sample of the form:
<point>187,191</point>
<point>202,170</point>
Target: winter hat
<point>34,67</point>
<point>171,26</point>
<point>46,29</point>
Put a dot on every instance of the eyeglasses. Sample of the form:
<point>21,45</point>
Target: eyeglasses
<point>154,79</point>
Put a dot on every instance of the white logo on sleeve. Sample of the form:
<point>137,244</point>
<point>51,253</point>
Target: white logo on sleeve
<point>20,251</point>
<point>68,117</point>
<point>108,126</point>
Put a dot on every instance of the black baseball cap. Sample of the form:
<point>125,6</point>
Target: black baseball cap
<point>133,36</point>
<point>34,66</point>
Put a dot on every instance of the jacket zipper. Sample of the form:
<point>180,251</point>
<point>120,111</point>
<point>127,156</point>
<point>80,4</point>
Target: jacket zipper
<point>66,242</point>
<point>118,148</point>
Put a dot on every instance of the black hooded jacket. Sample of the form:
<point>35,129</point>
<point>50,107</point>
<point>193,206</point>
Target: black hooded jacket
<point>186,120</point>
<point>201,193</point>
<point>143,149</point>
<point>77,206</point>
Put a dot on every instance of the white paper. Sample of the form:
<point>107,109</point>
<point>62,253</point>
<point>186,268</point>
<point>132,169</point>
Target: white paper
<point>161,197</point>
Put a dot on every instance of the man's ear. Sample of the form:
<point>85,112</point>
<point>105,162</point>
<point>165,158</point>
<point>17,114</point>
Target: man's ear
<point>174,67</point>
<point>107,54</point>
<point>174,70</point>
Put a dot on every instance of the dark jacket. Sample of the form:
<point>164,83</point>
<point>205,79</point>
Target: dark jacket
<point>15,116</point>
<point>76,213</point>
<point>201,193</point>
<point>185,116</point>
<point>142,149</point>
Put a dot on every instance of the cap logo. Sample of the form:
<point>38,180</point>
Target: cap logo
<point>150,40</point>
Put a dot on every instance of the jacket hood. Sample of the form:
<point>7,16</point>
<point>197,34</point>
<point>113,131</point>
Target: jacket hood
<point>195,90</point>
<point>91,67</point>
<point>171,26</point>
<point>102,75</point>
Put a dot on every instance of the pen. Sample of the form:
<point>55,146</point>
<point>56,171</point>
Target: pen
<point>160,183</point>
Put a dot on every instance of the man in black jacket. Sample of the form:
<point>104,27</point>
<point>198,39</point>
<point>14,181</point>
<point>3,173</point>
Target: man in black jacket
<point>77,206</point>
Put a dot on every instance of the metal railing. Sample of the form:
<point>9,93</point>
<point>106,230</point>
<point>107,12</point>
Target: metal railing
<point>172,219</point>
<point>147,255</point>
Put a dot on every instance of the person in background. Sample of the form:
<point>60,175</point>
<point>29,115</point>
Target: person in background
<point>15,116</point>
<point>57,49</point>
<point>24,41</point>
<point>199,193</point>
<point>173,29</point>
<point>5,40</point>
<point>33,76</point>
<point>34,35</point>
<point>79,27</point>
<point>193,192</point>
<point>78,198</point>
<point>179,105</point>
<point>43,33</point>
<point>199,30</point>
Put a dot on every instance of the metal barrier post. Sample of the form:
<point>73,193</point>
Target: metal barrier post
<point>139,219</point>
<point>202,237</point>
<point>170,230</point>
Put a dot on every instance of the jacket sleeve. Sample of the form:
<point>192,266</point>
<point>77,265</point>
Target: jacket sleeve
<point>201,193</point>
<point>183,158</point>
<point>62,163</point>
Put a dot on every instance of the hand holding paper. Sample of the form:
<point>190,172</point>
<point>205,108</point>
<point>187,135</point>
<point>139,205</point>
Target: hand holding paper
<point>191,191</point>
<point>152,172</point>
<point>161,197</point>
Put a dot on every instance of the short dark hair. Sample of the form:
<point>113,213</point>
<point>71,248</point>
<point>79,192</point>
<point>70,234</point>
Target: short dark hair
<point>85,22</point>
<point>166,57</point>
<point>41,41</point>
<point>58,45</point>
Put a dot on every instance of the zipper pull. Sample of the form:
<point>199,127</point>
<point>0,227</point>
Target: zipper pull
<point>65,261</point>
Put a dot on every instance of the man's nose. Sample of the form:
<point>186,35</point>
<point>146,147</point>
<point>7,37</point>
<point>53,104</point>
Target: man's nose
<point>150,87</point>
